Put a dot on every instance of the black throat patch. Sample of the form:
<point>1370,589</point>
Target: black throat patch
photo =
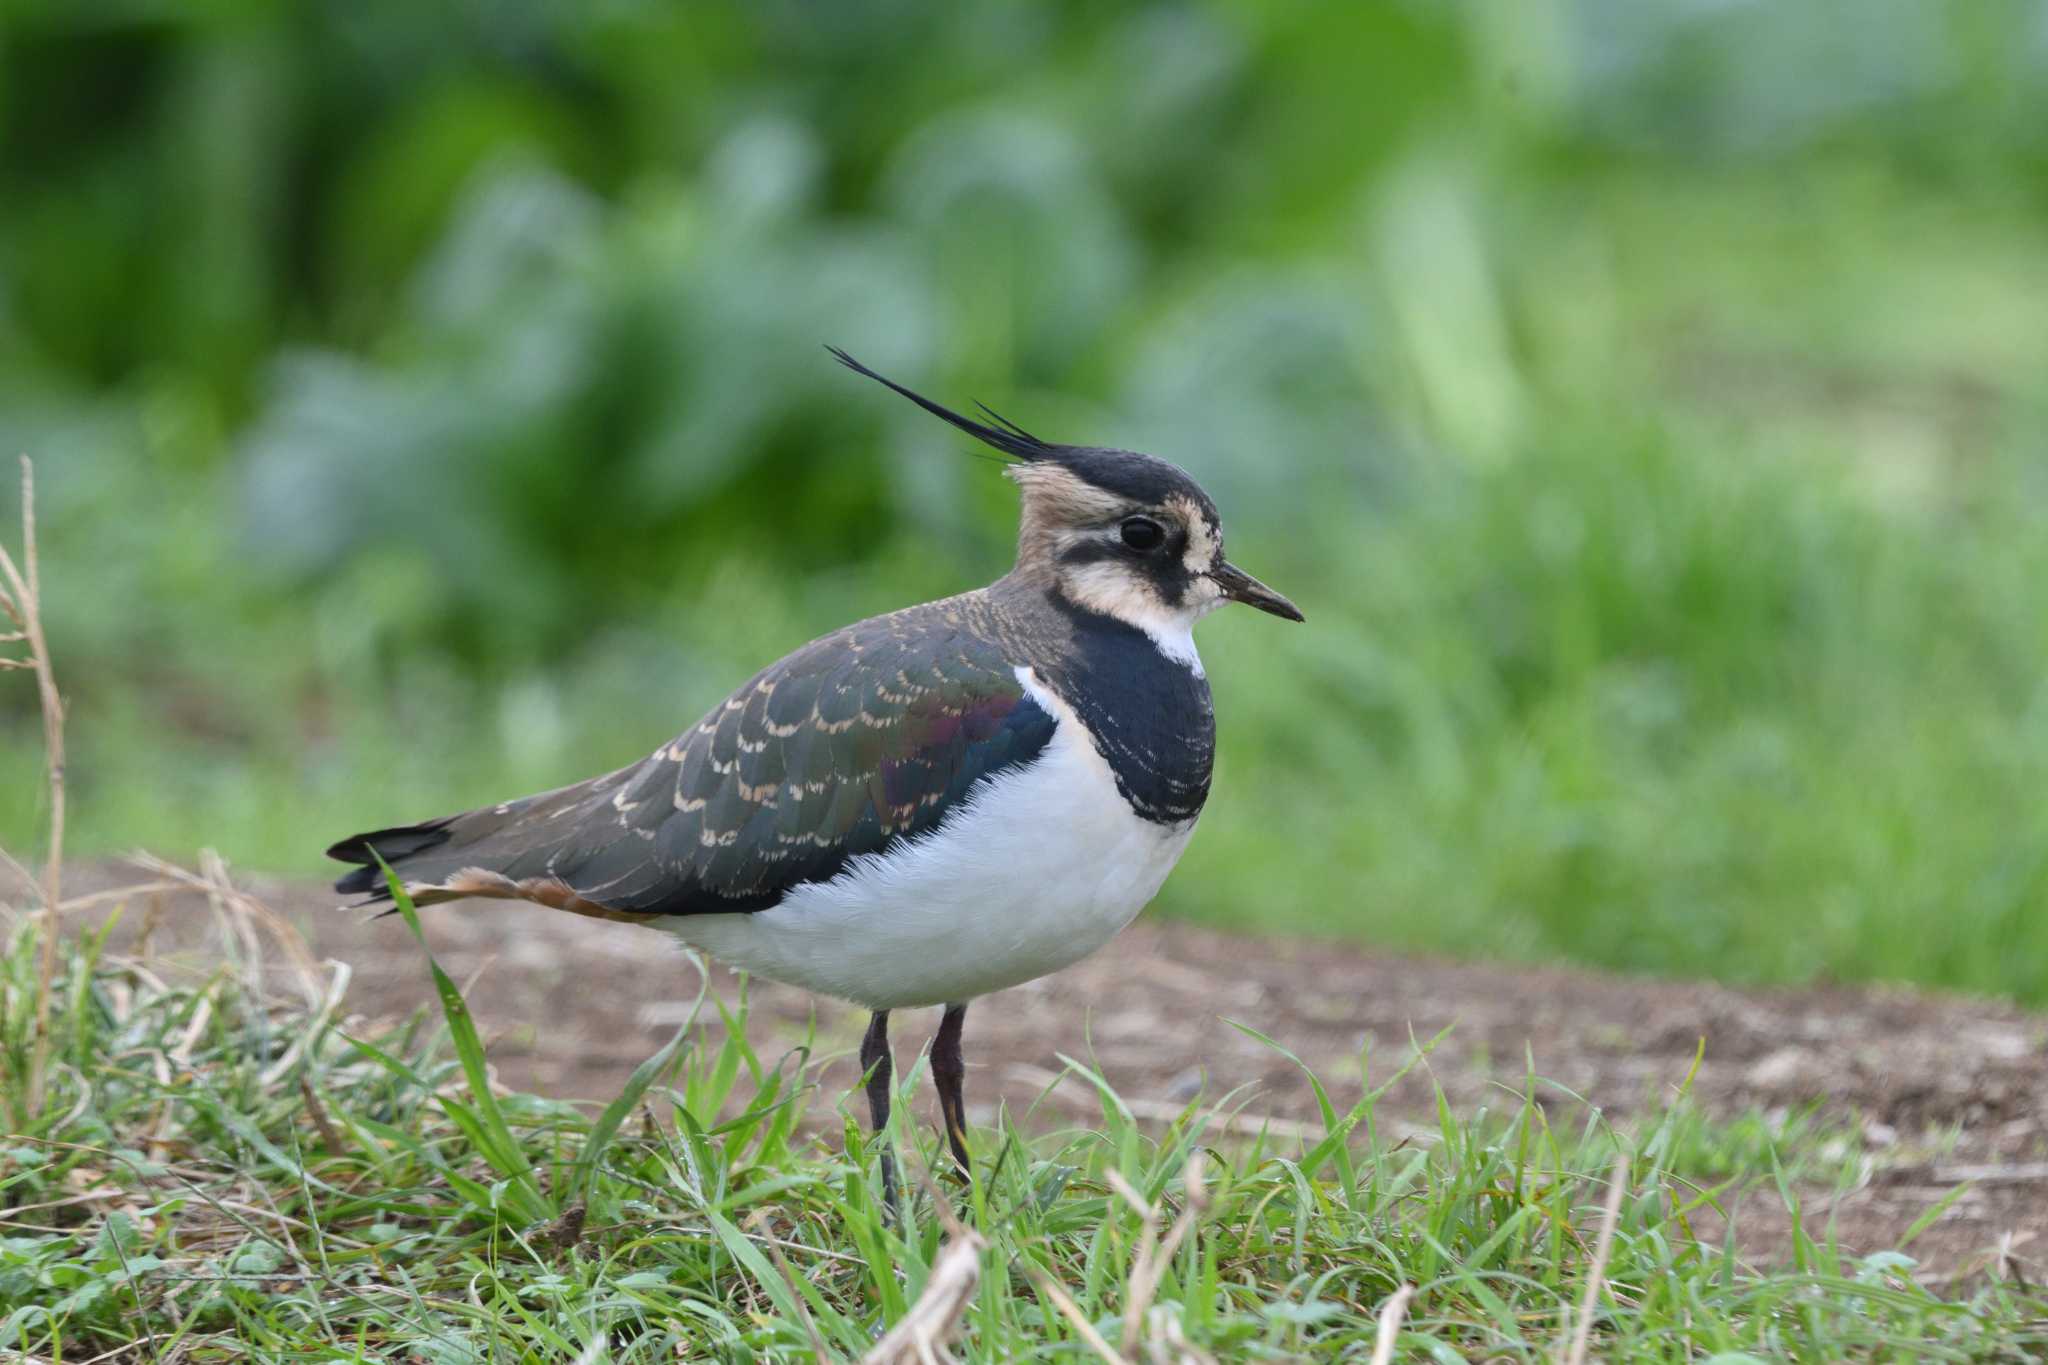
<point>1150,715</point>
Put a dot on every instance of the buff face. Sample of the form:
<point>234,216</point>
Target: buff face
<point>1132,537</point>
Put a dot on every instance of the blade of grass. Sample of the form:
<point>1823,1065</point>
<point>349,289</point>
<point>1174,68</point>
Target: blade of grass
<point>615,1113</point>
<point>499,1145</point>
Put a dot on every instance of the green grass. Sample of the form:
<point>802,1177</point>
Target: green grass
<point>238,1177</point>
<point>1627,704</point>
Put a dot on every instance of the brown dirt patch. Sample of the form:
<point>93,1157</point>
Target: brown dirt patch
<point>1934,1090</point>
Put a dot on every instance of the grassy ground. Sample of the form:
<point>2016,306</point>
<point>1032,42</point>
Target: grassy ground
<point>221,1170</point>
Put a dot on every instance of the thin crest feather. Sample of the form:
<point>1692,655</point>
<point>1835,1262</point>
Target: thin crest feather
<point>1007,436</point>
<point>1004,422</point>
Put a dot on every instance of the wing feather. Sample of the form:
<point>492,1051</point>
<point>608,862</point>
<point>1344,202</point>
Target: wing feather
<point>846,747</point>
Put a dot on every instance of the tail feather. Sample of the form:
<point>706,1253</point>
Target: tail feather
<point>393,845</point>
<point>502,850</point>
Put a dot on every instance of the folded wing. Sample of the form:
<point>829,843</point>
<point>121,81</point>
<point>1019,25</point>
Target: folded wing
<point>857,741</point>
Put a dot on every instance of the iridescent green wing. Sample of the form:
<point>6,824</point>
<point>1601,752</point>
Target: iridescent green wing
<point>853,743</point>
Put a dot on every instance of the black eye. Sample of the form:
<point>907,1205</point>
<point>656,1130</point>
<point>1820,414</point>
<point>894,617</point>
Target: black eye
<point>1143,534</point>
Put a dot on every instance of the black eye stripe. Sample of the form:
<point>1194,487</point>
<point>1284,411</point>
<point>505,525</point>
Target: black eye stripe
<point>1090,552</point>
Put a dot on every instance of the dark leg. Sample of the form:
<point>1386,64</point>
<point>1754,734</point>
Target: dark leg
<point>948,1071</point>
<point>875,1061</point>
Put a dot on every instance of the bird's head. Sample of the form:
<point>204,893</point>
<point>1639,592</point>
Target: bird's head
<point>1125,534</point>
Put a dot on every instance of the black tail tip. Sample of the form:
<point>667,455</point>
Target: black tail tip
<point>364,881</point>
<point>393,845</point>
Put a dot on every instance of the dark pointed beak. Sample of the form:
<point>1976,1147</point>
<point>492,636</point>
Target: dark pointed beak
<point>1240,586</point>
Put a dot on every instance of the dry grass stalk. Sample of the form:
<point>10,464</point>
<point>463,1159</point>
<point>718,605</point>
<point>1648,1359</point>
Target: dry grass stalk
<point>820,1352</point>
<point>21,874</point>
<point>316,1024</point>
<point>1155,1254</point>
<point>1167,1344</point>
<point>152,916</point>
<point>2006,1265</point>
<point>1155,1329</point>
<point>1617,1185</point>
<point>1389,1329</point>
<point>243,921</point>
<point>920,1338</point>
<point>1071,1311</point>
<point>114,895</point>
<point>21,599</point>
<point>1232,1124</point>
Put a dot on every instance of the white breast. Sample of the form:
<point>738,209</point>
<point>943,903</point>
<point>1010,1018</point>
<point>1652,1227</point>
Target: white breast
<point>1038,868</point>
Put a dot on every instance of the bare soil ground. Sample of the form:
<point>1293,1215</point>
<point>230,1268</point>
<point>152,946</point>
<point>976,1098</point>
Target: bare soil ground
<point>1928,1091</point>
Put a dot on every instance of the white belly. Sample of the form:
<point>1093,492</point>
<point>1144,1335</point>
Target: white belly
<point>1038,868</point>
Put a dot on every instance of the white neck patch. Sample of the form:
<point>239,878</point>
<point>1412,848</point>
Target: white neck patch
<point>1116,592</point>
<point>1177,642</point>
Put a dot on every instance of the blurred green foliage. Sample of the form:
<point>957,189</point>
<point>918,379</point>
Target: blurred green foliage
<point>1644,400</point>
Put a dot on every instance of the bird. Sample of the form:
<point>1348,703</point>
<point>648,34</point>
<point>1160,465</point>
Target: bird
<point>920,808</point>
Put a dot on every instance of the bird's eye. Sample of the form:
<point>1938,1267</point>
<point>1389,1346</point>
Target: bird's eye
<point>1143,534</point>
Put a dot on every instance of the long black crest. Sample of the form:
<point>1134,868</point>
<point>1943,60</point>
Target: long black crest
<point>1005,436</point>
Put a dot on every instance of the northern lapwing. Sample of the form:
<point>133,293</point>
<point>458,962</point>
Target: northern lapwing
<point>923,807</point>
